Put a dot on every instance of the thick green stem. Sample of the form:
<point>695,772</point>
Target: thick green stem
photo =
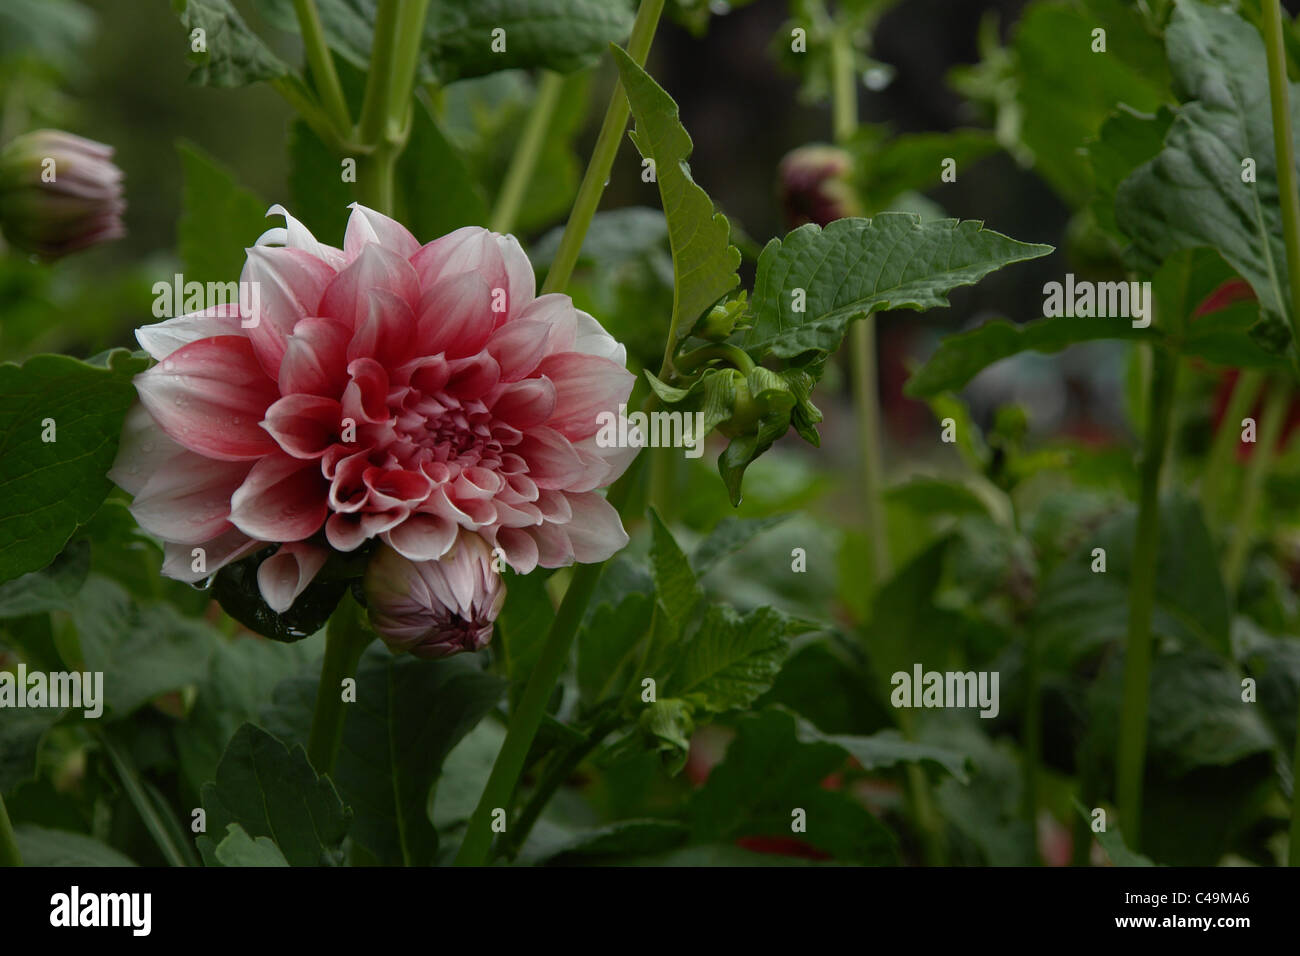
<point>602,155</point>
<point>345,641</point>
<point>1252,486</point>
<point>376,179</point>
<point>522,164</point>
<point>9,855</point>
<point>406,61</point>
<point>321,62</point>
<point>372,126</point>
<point>528,715</point>
<point>1223,449</point>
<point>1284,146</point>
<point>1131,755</point>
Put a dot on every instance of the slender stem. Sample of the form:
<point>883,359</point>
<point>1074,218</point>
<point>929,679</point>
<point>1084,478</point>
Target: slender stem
<point>522,164</point>
<point>9,855</point>
<point>1033,734</point>
<point>306,105</point>
<point>602,155</point>
<point>406,61</point>
<point>345,641</point>
<point>1284,146</point>
<point>1131,754</point>
<point>844,90</point>
<point>175,853</point>
<point>736,357</point>
<point>527,716</point>
<point>1226,440</point>
<point>321,62</point>
<point>1252,488</point>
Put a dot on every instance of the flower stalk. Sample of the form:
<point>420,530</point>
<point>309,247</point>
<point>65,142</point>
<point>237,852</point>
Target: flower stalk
<point>345,640</point>
<point>321,63</point>
<point>9,855</point>
<point>524,161</point>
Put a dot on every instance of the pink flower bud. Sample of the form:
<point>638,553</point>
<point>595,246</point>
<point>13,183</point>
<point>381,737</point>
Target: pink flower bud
<point>59,193</point>
<point>435,608</point>
<point>816,186</point>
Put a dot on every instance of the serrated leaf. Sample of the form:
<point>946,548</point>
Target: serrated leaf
<point>855,267</point>
<point>272,791</point>
<point>1126,140</point>
<point>559,35</point>
<point>728,536</point>
<point>676,589</point>
<point>961,357</point>
<point>605,646</point>
<point>234,55</point>
<point>732,658</point>
<point>1192,193</point>
<point>1111,840</point>
<point>219,219</point>
<point>886,749</point>
<point>704,261</point>
<point>239,849</point>
<point>49,488</point>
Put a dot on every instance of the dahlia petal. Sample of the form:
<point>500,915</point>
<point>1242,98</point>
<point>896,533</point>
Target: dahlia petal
<point>188,501</point>
<point>345,299</point>
<point>455,316</point>
<point>366,225</point>
<point>592,339</point>
<point>586,386</point>
<point>230,545</point>
<point>305,426</point>
<point>422,537</point>
<point>552,461</point>
<point>394,486</point>
<point>518,347</point>
<point>295,235</point>
<point>209,396</point>
<point>315,358</point>
<point>554,549</point>
<point>468,249</point>
<point>289,286</point>
<point>286,574</point>
<point>387,331</point>
<point>143,449</point>
<point>520,549</point>
<point>522,282</point>
<point>596,532</point>
<point>616,457</point>
<point>347,532</point>
<point>282,499</point>
<point>163,338</point>
<point>472,377</point>
<point>365,399</point>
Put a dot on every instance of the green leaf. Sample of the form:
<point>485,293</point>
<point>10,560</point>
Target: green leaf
<point>767,773</point>
<point>235,55</point>
<point>884,168</point>
<point>236,589</point>
<point>1066,91</point>
<point>619,839</point>
<point>49,589</point>
<point>407,717</point>
<point>961,357</point>
<point>272,791</point>
<point>523,624</point>
<point>704,261</point>
<point>436,192</point>
<point>1192,193</point>
<point>317,192</point>
<point>219,219</point>
<point>48,488</point>
<point>732,658</point>
<point>605,646</point>
<point>666,727</point>
<point>239,849</point>
<point>886,749</point>
<point>42,846</point>
<point>855,267</point>
<point>21,733</point>
<point>559,35</point>
<point>934,496</point>
<point>676,589</point>
<point>1126,140</point>
<point>727,537</point>
<point>143,650</point>
<point>615,237</point>
<point>1112,841</point>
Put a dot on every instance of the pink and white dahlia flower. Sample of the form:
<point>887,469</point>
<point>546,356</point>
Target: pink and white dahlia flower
<point>383,390</point>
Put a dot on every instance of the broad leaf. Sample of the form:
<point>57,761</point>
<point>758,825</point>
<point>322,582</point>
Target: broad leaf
<point>239,849</point>
<point>49,589</point>
<point>272,791</point>
<point>1192,193</point>
<point>42,846</point>
<point>704,261</point>
<point>728,536</point>
<point>814,282</point>
<point>676,589</point>
<point>606,645</point>
<point>889,748</point>
<point>60,420</point>
<point>234,54</point>
<point>219,220</point>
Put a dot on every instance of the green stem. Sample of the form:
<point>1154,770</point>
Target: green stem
<point>736,357</point>
<point>1033,734</point>
<point>406,61</point>
<point>174,852</point>
<point>1293,852</point>
<point>374,106</point>
<point>602,156</point>
<point>345,641</point>
<point>1131,754</point>
<point>305,104</point>
<point>1284,146</point>
<point>9,855</point>
<point>376,179</point>
<point>1252,488</point>
<point>1218,465</point>
<point>532,705</point>
<point>321,62</point>
<point>522,164</point>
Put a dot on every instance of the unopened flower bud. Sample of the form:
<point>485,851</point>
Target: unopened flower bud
<point>59,193</point>
<point>435,608</point>
<point>816,186</point>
